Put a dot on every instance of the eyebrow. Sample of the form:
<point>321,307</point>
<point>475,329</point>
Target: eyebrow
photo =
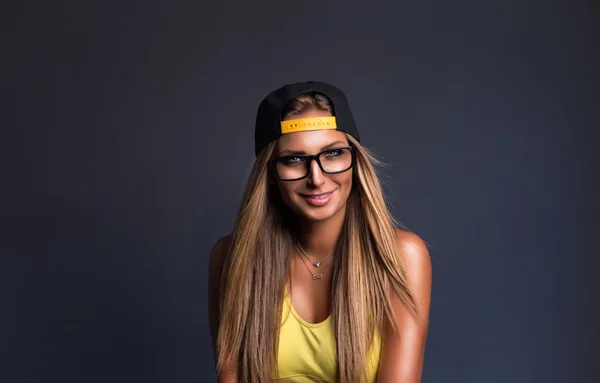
<point>292,152</point>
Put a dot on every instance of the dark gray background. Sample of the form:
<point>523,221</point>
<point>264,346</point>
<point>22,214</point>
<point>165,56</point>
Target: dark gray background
<point>135,127</point>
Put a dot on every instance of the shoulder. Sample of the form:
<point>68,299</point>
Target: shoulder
<point>218,252</point>
<point>416,262</point>
<point>216,260</point>
<point>412,251</point>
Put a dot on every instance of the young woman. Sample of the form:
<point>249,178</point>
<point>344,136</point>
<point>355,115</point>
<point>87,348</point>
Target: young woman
<point>316,281</point>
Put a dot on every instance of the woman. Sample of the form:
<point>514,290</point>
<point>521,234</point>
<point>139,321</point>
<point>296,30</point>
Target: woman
<point>316,282</point>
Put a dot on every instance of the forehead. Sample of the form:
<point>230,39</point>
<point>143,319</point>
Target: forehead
<point>310,141</point>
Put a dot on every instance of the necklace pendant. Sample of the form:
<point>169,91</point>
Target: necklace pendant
<point>318,264</point>
<point>317,276</point>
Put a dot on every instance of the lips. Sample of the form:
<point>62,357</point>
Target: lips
<point>318,199</point>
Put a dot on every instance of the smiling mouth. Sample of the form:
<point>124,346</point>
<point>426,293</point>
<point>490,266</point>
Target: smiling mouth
<point>318,199</point>
<point>323,195</point>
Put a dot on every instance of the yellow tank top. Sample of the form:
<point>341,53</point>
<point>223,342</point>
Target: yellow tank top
<point>307,351</point>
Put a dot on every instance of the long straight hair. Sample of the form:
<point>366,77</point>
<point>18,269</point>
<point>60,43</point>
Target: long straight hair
<point>256,269</point>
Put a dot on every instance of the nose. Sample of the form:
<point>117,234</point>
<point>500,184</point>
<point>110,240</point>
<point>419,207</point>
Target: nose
<point>315,176</point>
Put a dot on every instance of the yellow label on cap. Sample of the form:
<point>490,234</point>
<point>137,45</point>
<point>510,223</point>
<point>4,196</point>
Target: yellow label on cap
<point>311,123</point>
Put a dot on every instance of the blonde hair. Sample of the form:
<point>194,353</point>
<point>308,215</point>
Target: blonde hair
<point>256,270</point>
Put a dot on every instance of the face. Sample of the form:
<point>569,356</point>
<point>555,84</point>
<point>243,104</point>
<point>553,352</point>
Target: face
<point>319,196</point>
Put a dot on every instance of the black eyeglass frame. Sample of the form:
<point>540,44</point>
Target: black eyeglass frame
<point>310,158</point>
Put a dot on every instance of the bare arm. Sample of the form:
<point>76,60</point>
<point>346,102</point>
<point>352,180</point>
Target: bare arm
<point>403,353</point>
<point>215,268</point>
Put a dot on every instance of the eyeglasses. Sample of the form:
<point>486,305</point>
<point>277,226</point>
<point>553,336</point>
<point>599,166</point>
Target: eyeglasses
<point>297,166</point>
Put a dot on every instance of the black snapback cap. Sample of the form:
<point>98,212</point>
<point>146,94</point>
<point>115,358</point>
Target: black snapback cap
<point>269,126</point>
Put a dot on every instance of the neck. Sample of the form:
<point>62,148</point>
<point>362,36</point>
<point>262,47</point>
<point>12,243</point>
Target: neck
<point>319,238</point>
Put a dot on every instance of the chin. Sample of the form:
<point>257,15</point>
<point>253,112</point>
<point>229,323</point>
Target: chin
<point>316,216</point>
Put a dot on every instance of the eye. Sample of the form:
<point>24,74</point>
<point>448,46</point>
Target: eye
<point>291,160</point>
<point>333,153</point>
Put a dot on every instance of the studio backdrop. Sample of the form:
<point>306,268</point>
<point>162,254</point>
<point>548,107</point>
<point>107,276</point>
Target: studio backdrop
<point>135,137</point>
